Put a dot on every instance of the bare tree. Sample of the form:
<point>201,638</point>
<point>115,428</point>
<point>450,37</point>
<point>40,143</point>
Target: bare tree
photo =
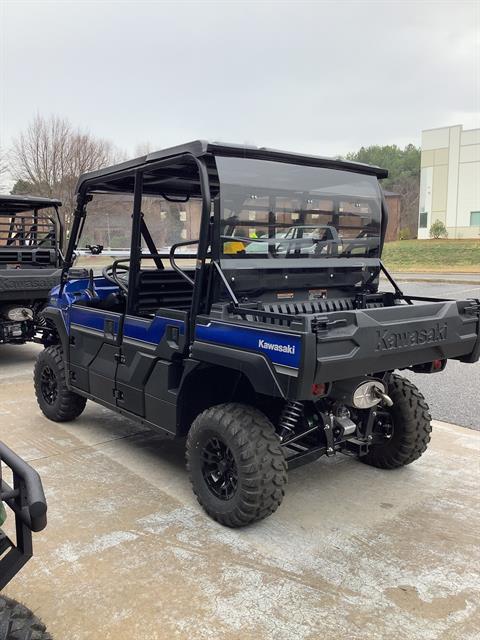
<point>3,169</point>
<point>142,149</point>
<point>409,189</point>
<point>50,155</point>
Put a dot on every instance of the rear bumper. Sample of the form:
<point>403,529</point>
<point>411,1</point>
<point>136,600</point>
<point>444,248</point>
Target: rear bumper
<point>374,340</point>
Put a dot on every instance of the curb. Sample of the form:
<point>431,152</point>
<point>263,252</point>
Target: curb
<point>456,279</point>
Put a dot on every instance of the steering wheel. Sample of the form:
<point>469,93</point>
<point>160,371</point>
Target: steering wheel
<point>110,273</point>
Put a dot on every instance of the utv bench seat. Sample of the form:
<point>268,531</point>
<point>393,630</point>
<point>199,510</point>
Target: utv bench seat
<point>163,288</point>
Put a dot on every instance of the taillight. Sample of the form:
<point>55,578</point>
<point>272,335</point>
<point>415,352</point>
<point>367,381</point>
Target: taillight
<point>319,389</point>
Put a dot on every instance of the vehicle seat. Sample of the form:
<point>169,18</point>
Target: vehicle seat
<point>163,288</point>
<point>115,301</point>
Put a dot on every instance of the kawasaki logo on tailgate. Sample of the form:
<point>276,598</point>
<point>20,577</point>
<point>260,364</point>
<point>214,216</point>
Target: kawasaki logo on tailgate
<point>388,339</point>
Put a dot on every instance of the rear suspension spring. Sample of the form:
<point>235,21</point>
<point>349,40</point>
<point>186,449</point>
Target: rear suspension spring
<point>291,414</point>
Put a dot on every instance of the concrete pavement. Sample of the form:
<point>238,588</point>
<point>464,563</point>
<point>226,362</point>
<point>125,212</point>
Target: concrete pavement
<point>353,552</point>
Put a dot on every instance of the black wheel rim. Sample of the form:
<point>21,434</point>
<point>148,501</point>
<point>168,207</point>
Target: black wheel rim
<point>49,385</point>
<point>219,469</point>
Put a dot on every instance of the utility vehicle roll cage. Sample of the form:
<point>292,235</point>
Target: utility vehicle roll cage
<point>25,228</point>
<point>190,170</point>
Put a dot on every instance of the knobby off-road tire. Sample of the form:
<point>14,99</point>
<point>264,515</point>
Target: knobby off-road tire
<point>19,623</point>
<point>411,427</point>
<point>53,397</point>
<point>253,483</point>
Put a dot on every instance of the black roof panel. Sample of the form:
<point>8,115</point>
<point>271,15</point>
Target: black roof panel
<point>199,148</point>
<point>17,203</point>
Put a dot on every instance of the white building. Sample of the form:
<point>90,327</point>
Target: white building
<point>450,181</point>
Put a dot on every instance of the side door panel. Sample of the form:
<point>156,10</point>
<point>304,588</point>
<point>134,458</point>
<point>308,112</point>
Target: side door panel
<point>148,351</point>
<point>94,337</point>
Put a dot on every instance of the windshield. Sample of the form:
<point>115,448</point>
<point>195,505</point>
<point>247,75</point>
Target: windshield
<point>278,210</point>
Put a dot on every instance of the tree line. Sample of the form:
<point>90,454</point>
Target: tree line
<point>47,158</point>
<point>403,178</point>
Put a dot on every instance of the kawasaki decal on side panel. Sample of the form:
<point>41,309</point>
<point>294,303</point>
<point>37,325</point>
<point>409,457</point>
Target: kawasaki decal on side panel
<point>280,348</point>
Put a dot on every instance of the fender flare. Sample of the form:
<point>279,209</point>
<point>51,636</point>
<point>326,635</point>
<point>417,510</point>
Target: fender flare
<point>255,366</point>
<point>55,317</point>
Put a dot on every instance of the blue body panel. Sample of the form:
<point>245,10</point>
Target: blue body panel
<point>149,331</point>
<point>280,348</point>
<point>93,318</point>
<point>76,291</point>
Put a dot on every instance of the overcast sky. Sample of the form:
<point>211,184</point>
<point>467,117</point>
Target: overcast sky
<point>318,77</point>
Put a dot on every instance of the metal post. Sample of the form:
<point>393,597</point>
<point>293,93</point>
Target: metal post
<point>203,243</point>
<point>136,242</point>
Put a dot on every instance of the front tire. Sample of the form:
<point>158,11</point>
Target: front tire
<point>236,464</point>
<point>411,421</point>
<point>55,400</point>
<point>19,623</point>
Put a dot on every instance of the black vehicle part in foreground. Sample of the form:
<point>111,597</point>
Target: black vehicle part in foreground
<point>262,334</point>
<point>27,501</point>
<point>19,623</point>
<point>31,239</point>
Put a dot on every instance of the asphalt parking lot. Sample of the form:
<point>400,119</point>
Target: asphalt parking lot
<point>352,553</point>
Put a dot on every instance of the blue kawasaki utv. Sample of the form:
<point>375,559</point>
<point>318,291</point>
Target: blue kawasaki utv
<point>231,296</point>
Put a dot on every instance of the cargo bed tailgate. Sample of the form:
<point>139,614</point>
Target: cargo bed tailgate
<point>370,340</point>
<point>18,284</point>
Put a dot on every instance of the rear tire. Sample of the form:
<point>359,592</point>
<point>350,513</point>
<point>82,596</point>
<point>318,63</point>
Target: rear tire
<point>55,400</point>
<point>236,464</point>
<point>411,427</point>
<point>19,623</point>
